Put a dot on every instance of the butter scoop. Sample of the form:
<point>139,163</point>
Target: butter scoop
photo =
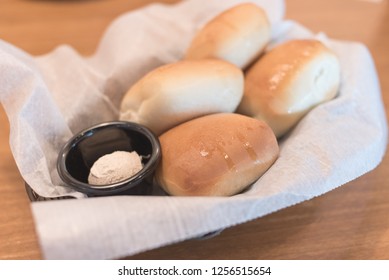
<point>115,167</point>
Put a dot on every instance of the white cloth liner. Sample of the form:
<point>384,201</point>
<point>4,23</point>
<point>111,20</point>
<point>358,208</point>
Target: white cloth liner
<point>51,97</point>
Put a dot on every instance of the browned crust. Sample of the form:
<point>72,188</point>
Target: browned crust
<point>285,61</point>
<point>227,27</point>
<point>268,79</point>
<point>217,154</point>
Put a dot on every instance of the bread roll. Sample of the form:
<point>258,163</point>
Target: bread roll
<point>289,81</point>
<point>215,155</point>
<point>181,91</point>
<point>237,35</point>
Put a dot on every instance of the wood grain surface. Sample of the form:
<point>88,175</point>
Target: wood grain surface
<point>350,222</point>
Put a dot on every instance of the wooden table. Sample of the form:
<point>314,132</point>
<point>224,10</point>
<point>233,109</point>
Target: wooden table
<point>350,222</point>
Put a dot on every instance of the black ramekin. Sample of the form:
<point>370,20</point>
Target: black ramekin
<point>78,155</point>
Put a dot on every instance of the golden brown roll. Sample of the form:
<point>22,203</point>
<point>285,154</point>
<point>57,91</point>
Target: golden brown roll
<point>237,35</point>
<point>215,155</point>
<point>287,82</point>
<point>178,92</point>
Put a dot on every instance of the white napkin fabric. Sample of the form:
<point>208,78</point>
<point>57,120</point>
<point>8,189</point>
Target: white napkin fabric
<point>51,97</point>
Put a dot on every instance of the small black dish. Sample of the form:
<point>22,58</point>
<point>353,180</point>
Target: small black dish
<point>79,154</point>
